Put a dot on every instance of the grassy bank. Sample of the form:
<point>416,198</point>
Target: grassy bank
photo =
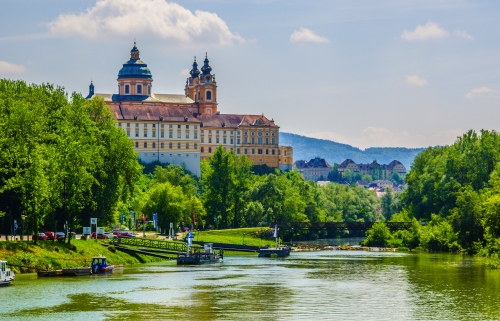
<point>48,255</point>
<point>255,236</point>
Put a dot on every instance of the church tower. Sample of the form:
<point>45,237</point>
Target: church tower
<point>202,88</point>
<point>135,79</point>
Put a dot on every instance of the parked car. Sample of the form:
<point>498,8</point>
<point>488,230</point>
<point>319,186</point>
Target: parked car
<point>109,234</point>
<point>60,235</point>
<point>50,235</point>
<point>40,236</point>
<point>99,236</point>
<point>123,234</point>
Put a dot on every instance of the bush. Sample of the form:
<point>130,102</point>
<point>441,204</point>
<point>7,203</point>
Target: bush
<point>378,236</point>
<point>84,237</point>
<point>112,248</point>
<point>439,237</point>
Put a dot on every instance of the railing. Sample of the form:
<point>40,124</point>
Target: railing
<point>157,244</point>
<point>360,226</point>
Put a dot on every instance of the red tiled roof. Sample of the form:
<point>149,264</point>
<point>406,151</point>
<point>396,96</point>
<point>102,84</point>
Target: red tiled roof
<point>233,121</point>
<point>130,112</point>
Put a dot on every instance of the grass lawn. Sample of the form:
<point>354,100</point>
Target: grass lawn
<point>235,236</point>
<point>48,255</point>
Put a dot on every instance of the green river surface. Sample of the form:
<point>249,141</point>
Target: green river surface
<point>321,285</point>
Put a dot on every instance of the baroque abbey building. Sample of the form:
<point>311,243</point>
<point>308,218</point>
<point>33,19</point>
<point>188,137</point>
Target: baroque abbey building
<point>184,129</point>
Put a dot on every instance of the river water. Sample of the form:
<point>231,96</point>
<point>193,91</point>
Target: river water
<point>327,285</point>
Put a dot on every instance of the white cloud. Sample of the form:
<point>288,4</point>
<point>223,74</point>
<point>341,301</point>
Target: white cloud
<point>185,72</point>
<point>8,68</point>
<point>463,34</point>
<point>306,35</point>
<point>416,81</point>
<point>383,137</point>
<point>163,20</point>
<point>482,92</point>
<point>427,31</point>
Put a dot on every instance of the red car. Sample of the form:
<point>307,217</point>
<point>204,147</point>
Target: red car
<point>123,234</point>
<point>50,235</point>
<point>40,236</point>
<point>99,236</point>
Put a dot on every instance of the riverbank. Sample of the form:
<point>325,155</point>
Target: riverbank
<point>26,257</point>
<point>304,247</point>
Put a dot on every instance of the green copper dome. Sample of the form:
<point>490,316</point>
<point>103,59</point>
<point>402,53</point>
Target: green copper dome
<point>134,68</point>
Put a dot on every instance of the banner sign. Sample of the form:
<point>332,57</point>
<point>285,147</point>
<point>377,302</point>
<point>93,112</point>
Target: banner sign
<point>86,230</point>
<point>100,230</point>
<point>93,220</point>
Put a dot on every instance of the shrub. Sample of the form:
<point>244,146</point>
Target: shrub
<point>439,237</point>
<point>112,248</point>
<point>379,236</point>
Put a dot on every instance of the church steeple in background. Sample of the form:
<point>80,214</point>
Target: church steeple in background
<point>91,90</point>
<point>134,53</point>
<point>194,72</point>
<point>206,69</point>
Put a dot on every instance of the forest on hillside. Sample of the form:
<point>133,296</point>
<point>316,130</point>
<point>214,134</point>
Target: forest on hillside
<point>306,148</point>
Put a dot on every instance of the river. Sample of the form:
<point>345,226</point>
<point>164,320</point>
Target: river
<point>327,285</point>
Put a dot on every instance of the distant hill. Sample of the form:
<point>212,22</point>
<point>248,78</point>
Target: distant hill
<point>307,148</point>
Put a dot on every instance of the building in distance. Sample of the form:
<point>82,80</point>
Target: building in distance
<point>375,170</point>
<point>317,169</point>
<point>184,129</point>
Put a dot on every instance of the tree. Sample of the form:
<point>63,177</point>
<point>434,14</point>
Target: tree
<point>348,176</point>
<point>396,178</point>
<point>167,201</point>
<point>367,178</point>
<point>334,175</point>
<point>379,235</point>
<point>387,200</point>
<point>217,179</point>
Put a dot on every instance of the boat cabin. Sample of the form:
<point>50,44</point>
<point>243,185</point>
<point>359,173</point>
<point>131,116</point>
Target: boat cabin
<point>6,275</point>
<point>100,266</point>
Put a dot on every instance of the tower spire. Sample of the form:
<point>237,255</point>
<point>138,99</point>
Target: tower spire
<point>206,69</point>
<point>194,72</point>
<point>134,53</point>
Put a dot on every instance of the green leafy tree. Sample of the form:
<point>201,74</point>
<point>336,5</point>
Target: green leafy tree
<point>379,235</point>
<point>217,179</point>
<point>367,178</point>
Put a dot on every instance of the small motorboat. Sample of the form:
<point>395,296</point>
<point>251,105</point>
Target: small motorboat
<point>100,266</point>
<point>6,275</point>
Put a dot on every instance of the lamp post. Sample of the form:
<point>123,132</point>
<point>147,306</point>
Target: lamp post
<point>23,217</point>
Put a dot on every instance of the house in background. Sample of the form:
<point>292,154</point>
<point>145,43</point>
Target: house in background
<point>375,170</point>
<point>316,169</point>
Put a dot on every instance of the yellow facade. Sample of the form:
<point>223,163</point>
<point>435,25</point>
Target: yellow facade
<point>180,129</point>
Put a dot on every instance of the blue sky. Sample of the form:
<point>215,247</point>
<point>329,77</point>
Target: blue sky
<point>408,73</point>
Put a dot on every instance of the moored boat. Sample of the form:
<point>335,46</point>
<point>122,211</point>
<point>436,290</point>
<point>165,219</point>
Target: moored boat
<point>78,271</point>
<point>282,251</point>
<point>6,275</point>
<point>197,255</point>
<point>100,266</point>
<point>278,251</point>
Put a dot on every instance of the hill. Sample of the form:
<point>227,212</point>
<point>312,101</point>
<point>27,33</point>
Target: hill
<point>306,148</point>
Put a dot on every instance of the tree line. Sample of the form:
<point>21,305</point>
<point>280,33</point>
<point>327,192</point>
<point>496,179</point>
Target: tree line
<point>63,160</point>
<point>453,197</point>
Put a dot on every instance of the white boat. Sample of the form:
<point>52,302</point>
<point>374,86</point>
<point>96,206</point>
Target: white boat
<point>6,275</point>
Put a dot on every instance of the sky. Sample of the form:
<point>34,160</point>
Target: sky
<point>385,73</point>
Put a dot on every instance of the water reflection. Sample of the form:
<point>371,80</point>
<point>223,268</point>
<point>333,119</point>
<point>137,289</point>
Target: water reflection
<point>337,285</point>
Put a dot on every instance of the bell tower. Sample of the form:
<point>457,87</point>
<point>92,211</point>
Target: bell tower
<point>202,88</point>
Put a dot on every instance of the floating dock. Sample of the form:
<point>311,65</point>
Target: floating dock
<point>275,252</point>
